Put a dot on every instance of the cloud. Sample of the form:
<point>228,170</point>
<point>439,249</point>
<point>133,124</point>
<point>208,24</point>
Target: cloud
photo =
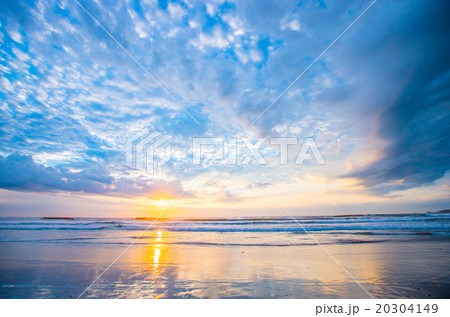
<point>414,123</point>
<point>293,25</point>
<point>176,11</point>
<point>22,173</point>
<point>215,40</point>
<point>69,95</point>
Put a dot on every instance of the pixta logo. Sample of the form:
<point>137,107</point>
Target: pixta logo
<point>242,151</point>
<point>148,150</point>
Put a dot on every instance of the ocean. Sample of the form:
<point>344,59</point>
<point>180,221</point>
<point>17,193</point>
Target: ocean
<point>279,231</point>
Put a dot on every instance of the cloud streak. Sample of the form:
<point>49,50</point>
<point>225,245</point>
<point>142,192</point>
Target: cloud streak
<point>22,173</point>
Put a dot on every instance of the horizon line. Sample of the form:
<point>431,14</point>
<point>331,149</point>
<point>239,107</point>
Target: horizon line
<point>443,211</point>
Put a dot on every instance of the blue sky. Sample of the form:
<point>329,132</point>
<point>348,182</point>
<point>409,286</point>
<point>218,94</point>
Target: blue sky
<point>377,104</point>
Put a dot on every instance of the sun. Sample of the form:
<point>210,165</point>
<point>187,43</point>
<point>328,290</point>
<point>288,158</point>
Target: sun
<point>161,202</point>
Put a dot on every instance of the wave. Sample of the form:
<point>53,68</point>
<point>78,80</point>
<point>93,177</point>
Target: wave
<point>363,224</point>
<point>236,221</point>
<point>203,243</point>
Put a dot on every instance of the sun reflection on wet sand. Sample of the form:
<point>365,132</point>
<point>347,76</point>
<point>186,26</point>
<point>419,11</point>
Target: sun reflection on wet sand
<point>157,251</point>
<point>219,271</point>
<point>170,264</point>
<point>162,267</point>
<point>169,270</point>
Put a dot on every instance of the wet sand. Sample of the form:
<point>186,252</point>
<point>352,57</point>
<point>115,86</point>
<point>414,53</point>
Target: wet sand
<point>399,269</point>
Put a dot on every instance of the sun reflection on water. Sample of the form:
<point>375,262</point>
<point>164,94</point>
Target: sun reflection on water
<point>169,270</point>
<point>159,236</point>
<point>157,251</point>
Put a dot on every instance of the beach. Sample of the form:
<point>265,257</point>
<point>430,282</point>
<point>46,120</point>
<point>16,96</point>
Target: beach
<point>404,256</point>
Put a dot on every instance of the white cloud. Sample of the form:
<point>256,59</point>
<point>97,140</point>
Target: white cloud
<point>193,24</point>
<point>176,12</point>
<point>140,29</point>
<point>235,23</point>
<point>210,9</point>
<point>6,84</point>
<point>21,55</point>
<point>173,32</point>
<point>217,40</point>
<point>16,36</point>
<point>241,56</point>
<point>293,25</point>
<point>256,56</point>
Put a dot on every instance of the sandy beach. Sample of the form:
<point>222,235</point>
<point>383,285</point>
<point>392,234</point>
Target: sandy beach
<point>183,264</point>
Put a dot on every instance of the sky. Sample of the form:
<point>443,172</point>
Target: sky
<point>80,78</point>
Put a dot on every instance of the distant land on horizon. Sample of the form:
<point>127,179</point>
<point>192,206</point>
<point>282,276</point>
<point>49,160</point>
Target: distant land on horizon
<point>265,217</point>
